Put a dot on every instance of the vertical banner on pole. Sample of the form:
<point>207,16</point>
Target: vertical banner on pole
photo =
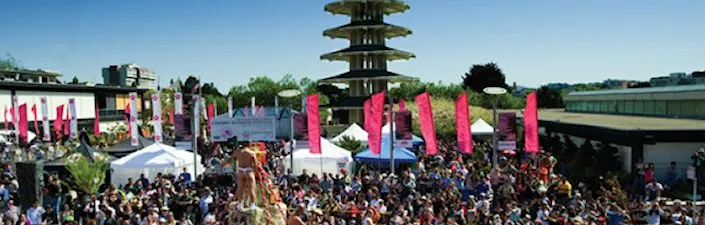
<point>196,116</point>
<point>462,124</point>
<point>157,117</point>
<point>73,132</point>
<point>59,122</point>
<point>314,124</point>
<point>45,119</point>
<point>178,103</point>
<point>428,129</point>
<point>15,116</point>
<point>253,106</point>
<point>23,131</point>
<point>230,106</point>
<point>96,122</point>
<point>531,125</point>
<point>133,119</point>
<point>374,135</point>
<point>36,119</point>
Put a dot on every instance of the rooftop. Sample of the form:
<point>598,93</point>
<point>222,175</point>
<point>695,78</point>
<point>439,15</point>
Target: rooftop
<point>390,31</point>
<point>10,85</point>
<point>392,54</point>
<point>367,75</point>
<point>346,7</point>
<point>679,88</point>
<point>619,122</point>
<point>39,72</point>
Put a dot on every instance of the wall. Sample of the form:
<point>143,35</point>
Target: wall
<point>121,101</point>
<point>6,100</point>
<point>85,102</point>
<point>661,154</point>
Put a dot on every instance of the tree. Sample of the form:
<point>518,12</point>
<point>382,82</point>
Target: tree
<point>549,97</point>
<point>74,80</point>
<point>87,176</point>
<point>351,144</point>
<point>10,63</point>
<point>482,76</point>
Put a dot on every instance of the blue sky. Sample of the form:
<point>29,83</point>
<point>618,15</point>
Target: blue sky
<point>229,41</point>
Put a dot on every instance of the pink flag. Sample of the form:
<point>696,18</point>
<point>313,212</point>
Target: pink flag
<point>462,124</point>
<point>402,105</point>
<point>96,122</point>
<point>36,122</point>
<point>211,114</point>
<point>58,122</point>
<point>23,123</point>
<point>428,129</point>
<point>6,124</point>
<point>374,134</point>
<point>531,125</point>
<point>314,124</point>
<point>366,108</point>
<point>171,116</point>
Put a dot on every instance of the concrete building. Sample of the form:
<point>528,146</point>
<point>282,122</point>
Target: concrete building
<point>675,79</point>
<point>367,54</point>
<point>129,75</point>
<point>29,76</point>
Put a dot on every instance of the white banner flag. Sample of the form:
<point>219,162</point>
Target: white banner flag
<point>230,106</point>
<point>178,103</point>
<point>253,106</point>
<point>133,119</point>
<point>16,117</point>
<point>196,117</point>
<point>203,108</point>
<point>73,125</point>
<point>157,117</point>
<point>45,119</point>
<point>304,104</point>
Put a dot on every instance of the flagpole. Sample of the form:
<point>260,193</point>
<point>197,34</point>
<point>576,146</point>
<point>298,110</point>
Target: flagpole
<point>391,134</point>
<point>196,132</point>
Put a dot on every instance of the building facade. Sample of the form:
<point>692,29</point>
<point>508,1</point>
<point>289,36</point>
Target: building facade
<point>30,76</point>
<point>129,75</point>
<point>675,79</point>
<point>367,54</point>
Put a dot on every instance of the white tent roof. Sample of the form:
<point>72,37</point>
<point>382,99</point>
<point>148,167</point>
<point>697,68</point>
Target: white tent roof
<point>154,156</point>
<point>328,151</point>
<point>480,127</point>
<point>5,136</point>
<point>331,159</point>
<point>354,131</point>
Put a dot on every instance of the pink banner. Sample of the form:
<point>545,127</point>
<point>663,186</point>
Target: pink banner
<point>366,108</point>
<point>171,116</point>
<point>402,105</point>
<point>36,122</point>
<point>67,122</point>
<point>96,122</point>
<point>531,125</point>
<point>23,123</point>
<point>58,122</point>
<point>462,124</point>
<point>314,124</point>
<point>211,114</point>
<point>374,134</point>
<point>428,130</point>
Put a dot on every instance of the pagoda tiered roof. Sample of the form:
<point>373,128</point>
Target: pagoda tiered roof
<point>346,7</point>
<point>391,53</point>
<point>390,31</point>
<point>367,74</point>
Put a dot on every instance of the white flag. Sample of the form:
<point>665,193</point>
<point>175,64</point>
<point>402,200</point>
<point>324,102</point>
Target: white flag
<point>45,119</point>
<point>73,125</point>
<point>304,104</point>
<point>230,106</point>
<point>157,117</point>
<point>203,108</point>
<point>253,106</point>
<point>178,103</point>
<point>133,119</point>
<point>196,116</point>
<point>16,117</point>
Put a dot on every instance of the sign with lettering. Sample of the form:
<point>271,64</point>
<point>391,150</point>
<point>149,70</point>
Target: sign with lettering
<point>245,129</point>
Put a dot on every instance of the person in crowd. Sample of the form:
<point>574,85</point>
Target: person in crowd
<point>34,214</point>
<point>672,177</point>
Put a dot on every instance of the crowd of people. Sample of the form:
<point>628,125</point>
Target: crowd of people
<point>444,189</point>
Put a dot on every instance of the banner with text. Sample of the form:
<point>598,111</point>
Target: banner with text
<point>245,129</point>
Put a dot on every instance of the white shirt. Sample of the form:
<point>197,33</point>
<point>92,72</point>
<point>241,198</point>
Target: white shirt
<point>35,215</point>
<point>654,218</point>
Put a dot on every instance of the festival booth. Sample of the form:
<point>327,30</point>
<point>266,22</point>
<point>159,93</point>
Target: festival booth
<point>480,127</point>
<point>401,155</point>
<point>353,131</point>
<point>153,159</point>
<point>331,160</point>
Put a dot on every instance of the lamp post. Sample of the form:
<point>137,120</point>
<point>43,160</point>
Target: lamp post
<point>290,93</point>
<point>494,91</point>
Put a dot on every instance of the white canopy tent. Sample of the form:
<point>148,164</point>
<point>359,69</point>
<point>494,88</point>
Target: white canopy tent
<point>354,131</point>
<point>153,159</point>
<point>5,136</point>
<point>480,127</point>
<point>331,159</point>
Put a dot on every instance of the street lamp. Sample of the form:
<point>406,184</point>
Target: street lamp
<point>494,91</point>
<point>290,93</point>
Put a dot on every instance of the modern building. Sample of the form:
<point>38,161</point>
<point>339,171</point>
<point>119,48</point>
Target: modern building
<point>129,75</point>
<point>675,79</point>
<point>685,101</point>
<point>367,54</point>
<point>30,76</point>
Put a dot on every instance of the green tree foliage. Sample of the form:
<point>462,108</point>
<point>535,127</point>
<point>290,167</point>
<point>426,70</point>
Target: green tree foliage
<point>9,63</point>
<point>549,97</point>
<point>409,91</point>
<point>351,144</point>
<point>87,176</point>
<point>485,75</point>
<point>590,161</point>
<point>444,116</point>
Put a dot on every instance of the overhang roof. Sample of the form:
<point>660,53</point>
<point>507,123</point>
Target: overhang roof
<point>619,122</point>
<point>14,85</point>
<point>344,54</point>
<point>390,31</point>
<point>345,7</point>
<point>367,75</point>
<point>351,103</point>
